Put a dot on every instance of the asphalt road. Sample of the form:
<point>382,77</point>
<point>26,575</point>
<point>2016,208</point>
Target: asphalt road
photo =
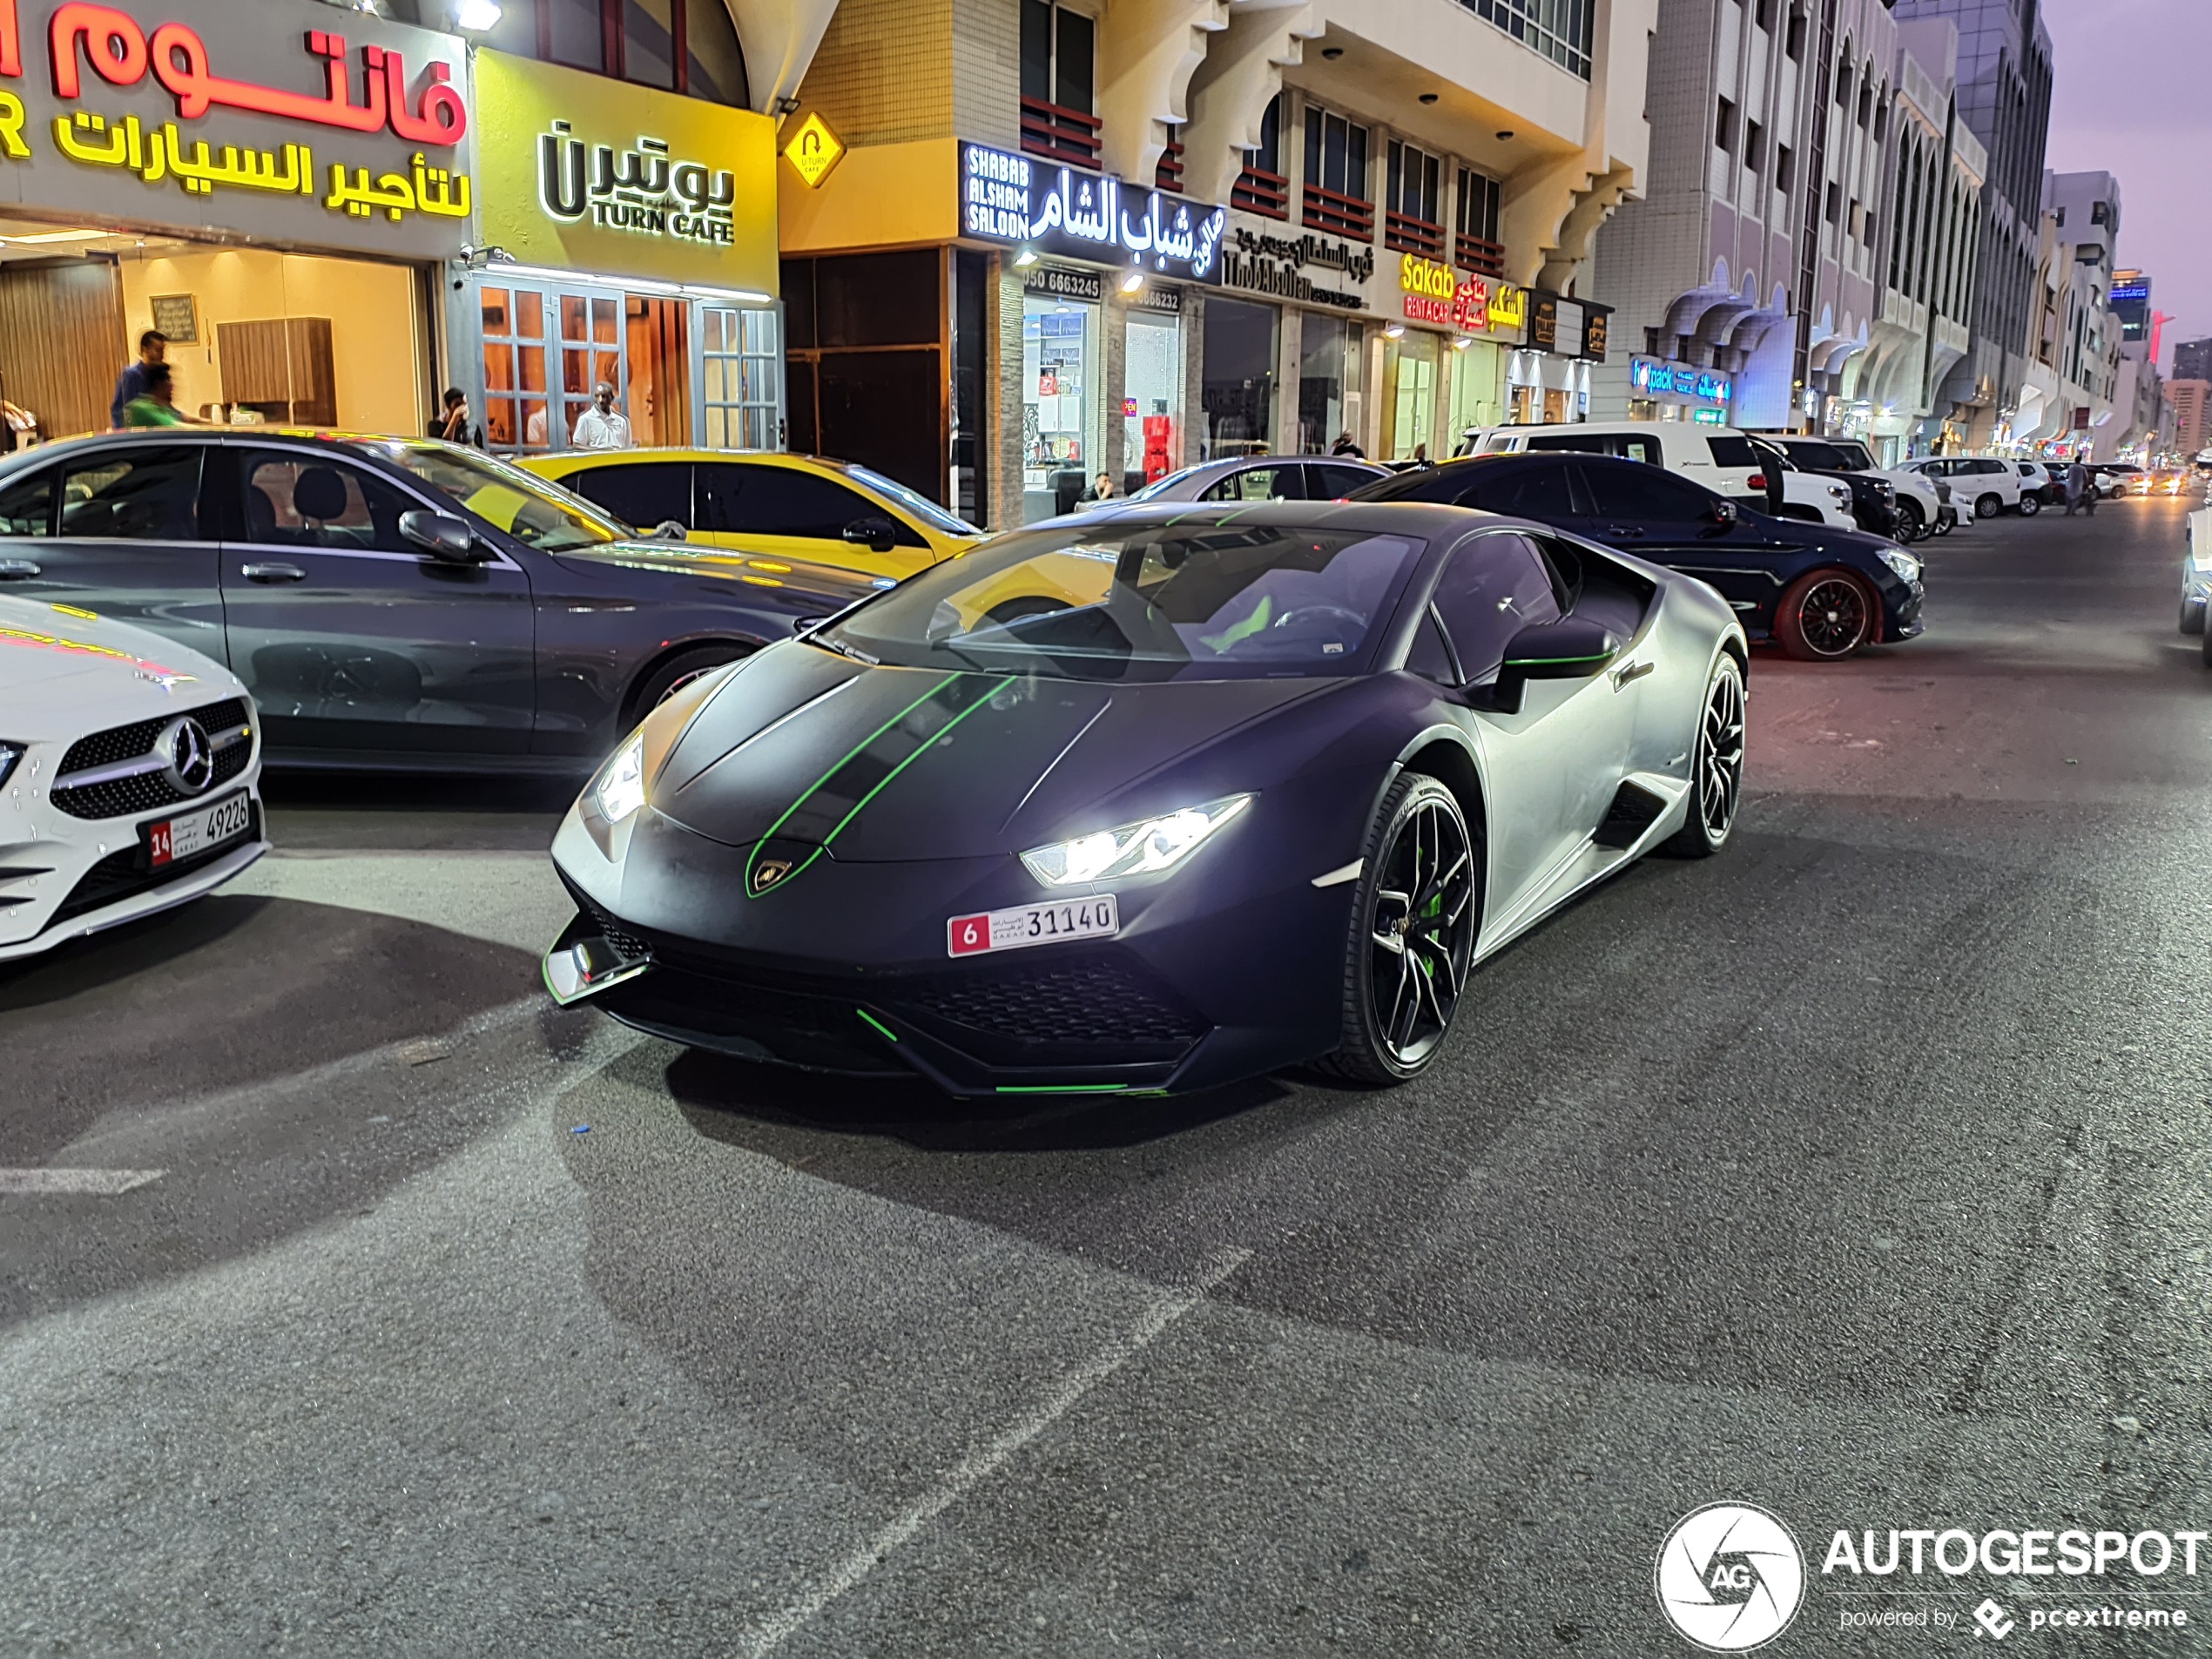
<point>1858,1173</point>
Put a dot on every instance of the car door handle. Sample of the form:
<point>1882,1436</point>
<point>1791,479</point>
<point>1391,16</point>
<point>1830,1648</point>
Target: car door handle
<point>1626,532</point>
<point>272,572</point>
<point>1629,673</point>
<point>16,569</point>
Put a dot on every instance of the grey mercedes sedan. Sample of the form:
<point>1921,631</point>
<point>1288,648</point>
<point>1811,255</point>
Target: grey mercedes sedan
<point>393,603</point>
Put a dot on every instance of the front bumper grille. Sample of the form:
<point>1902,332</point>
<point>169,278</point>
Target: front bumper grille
<point>149,791</point>
<point>1084,1002</point>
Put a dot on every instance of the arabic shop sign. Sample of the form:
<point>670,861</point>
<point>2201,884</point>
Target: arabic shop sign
<point>1263,261</point>
<point>584,173</point>
<point>641,191</point>
<point>1649,376</point>
<point>203,114</point>
<point>1441,294</point>
<point>1020,201</point>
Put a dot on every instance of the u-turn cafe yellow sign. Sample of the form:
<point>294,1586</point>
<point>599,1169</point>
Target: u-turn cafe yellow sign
<point>584,174</point>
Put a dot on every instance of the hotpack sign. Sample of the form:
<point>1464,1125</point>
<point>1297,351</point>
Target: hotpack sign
<point>589,174</point>
<point>343,131</point>
<point>1020,201</point>
<point>1649,375</point>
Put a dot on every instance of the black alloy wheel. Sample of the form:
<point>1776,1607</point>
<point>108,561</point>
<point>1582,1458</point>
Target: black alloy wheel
<point>1911,526</point>
<point>1825,616</point>
<point>1415,914</point>
<point>1716,767</point>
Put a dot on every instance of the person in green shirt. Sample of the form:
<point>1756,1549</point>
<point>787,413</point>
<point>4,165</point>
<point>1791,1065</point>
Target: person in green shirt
<point>155,406</point>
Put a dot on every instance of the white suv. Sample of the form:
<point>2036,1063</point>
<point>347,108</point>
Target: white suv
<point>1981,485</point>
<point>1719,457</point>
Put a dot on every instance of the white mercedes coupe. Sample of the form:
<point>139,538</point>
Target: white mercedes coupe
<point>130,772</point>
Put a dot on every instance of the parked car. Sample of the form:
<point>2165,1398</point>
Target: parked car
<point>1261,478</point>
<point>1820,593</point>
<point>2196,571</point>
<point>1268,793</point>
<point>2116,477</point>
<point>391,602</point>
<point>130,775</point>
<point>1920,499</point>
<point>1982,484</point>
<point>2035,482</point>
<point>1721,458</point>
<point>772,505</point>
<point>1874,504</point>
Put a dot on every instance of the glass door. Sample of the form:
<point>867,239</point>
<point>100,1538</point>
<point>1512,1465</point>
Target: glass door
<point>741,378</point>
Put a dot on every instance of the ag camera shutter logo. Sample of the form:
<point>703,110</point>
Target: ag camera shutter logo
<point>1730,1577</point>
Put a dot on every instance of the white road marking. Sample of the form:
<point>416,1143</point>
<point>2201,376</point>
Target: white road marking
<point>1343,873</point>
<point>107,1182</point>
<point>1164,1312</point>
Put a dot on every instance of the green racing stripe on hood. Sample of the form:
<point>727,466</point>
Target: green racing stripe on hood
<point>835,798</point>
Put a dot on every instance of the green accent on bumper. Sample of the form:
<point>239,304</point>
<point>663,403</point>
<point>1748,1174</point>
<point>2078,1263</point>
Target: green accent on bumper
<point>1064,1088</point>
<point>889,1036</point>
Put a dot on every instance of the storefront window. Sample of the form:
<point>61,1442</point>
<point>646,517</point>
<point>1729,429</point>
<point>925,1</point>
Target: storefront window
<point>738,371</point>
<point>1409,397</point>
<point>1059,425</point>
<point>1238,392</point>
<point>1328,374</point>
<point>688,46</point>
<point>1152,408</point>
<point>1478,371</point>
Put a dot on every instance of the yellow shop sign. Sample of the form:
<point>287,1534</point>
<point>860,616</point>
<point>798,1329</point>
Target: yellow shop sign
<point>1508,307</point>
<point>1426,277</point>
<point>584,173</point>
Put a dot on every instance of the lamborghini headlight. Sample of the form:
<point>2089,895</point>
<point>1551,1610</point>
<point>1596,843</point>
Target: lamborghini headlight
<point>1142,848</point>
<point>621,788</point>
<point>1907,567</point>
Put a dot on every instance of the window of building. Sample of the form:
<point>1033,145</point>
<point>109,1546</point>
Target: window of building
<point>1785,168</point>
<point>2098,213</point>
<point>1477,246</point>
<point>1724,127</point>
<point>1560,30</point>
<point>1336,175</point>
<point>1865,102</point>
<point>1413,201</point>
<point>1763,15</point>
<point>688,46</point>
<point>1754,145</point>
<point>1264,186</point>
<point>1835,213</point>
<point>1059,83</point>
<point>1843,87</point>
<point>1793,42</point>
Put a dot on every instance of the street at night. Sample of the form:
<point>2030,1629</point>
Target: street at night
<point>1859,1168</point>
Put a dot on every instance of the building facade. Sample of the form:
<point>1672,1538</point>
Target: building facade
<point>2004,80</point>
<point>1067,239</point>
<point>2193,361</point>
<point>1748,274</point>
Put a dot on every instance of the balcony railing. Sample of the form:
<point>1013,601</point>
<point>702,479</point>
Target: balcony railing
<point>1403,233</point>
<point>1330,209</point>
<point>1169,176</point>
<point>1483,257</point>
<point>1059,134</point>
<point>1258,191</point>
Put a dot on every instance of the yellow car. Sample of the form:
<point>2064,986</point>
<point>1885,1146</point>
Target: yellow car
<point>767,505</point>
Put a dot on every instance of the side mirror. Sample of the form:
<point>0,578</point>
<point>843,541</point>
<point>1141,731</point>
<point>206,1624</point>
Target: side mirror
<point>877,535</point>
<point>670,530</point>
<point>441,534</point>
<point>1570,649</point>
<point>1726,512</point>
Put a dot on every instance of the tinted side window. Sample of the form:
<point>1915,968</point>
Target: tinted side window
<point>1730,450</point>
<point>777,501</point>
<point>27,505</point>
<point>1639,493</point>
<point>1644,449</point>
<point>1327,483</point>
<point>643,495</point>
<point>1491,589</point>
<point>150,495</point>
<point>1576,443</point>
<point>293,499</point>
<point>1258,483</point>
<point>1538,492</point>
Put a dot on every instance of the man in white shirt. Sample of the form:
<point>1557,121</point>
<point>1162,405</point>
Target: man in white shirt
<point>602,426</point>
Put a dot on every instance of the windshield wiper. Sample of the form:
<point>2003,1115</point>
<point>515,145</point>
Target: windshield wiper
<point>853,651</point>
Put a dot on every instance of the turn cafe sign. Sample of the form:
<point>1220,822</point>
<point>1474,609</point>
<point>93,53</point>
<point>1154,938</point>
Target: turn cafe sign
<point>346,131</point>
<point>1441,294</point>
<point>1020,201</point>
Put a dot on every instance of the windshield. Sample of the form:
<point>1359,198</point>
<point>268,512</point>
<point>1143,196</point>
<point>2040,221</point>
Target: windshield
<point>1820,458</point>
<point>533,511</point>
<point>914,502</point>
<point>1855,455</point>
<point>1159,486</point>
<point>1144,603</point>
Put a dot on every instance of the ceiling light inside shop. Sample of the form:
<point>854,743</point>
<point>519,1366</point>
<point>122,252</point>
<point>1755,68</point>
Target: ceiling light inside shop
<point>476,16</point>
<point>1395,331</point>
<point>1463,342</point>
